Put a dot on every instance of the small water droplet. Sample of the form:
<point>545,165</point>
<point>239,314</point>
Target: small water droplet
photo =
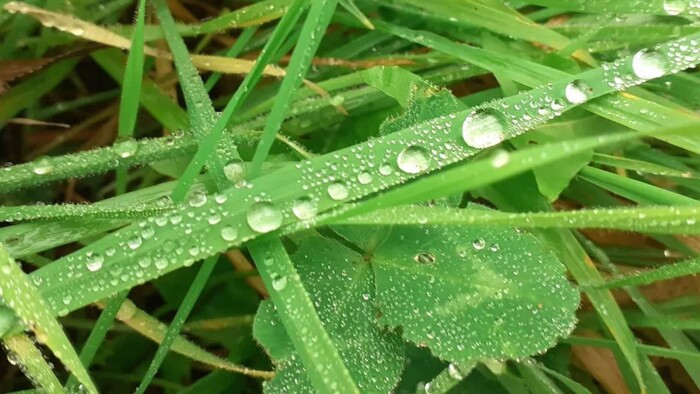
<point>95,262</point>
<point>229,233</point>
<point>198,199</point>
<point>304,208</point>
<point>424,258</point>
<point>454,372</point>
<point>338,191</point>
<point>264,217</point>
<point>484,128</point>
<point>577,92</point>
<point>364,177</point>
<point>649,64</point>
<point>161,262</point>
<point>413,160</point>
<point>479,244</point>
<point>42,166</point>
<point>337,100</point>
<point>134,242</point>
<point>385,169</point>
<point>494,248</point>
<point>500,158</point>
<point>279,282</point>
<point>126,149</point>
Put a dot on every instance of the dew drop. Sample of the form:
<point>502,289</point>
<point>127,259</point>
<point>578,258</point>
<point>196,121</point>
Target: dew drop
<point>454,372</point>
<point>229,233</point>
<point>413,160</point>
<point>484,128</point>
<point>577,92</point>
<point>649,64</point>
<point>479,244</point>
<point>264,217</point>
<point>279,282</point>
<point>500,158</point>
<point>304,208</point>
<point>364,177</point>
<point>675,7</point>
<point>95,262</point>
<point>126,149</point>
<point>385,169</point>
<point>214,219</point>
<point>134,242</point>
<point>338,191</point>
<point>42,166</point>
<point>198,199</point>
<point>161,262</point>
<point>424,258</point>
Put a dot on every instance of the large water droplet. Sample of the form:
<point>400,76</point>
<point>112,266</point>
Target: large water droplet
<point>338,191</point>
<point>413,160</point>
<point>577,92</point>
<point>649,64</point>
<point>42,166</point>
<point>229,233</point>
<point>126,149</point>
<point>95,262</point>
<point>279,282</point>
<point>304,208</point>
<point>364,177</point>
<point>264,217</point>
<point>161,262</point>
<point>385,169</point>
<point>484,128</point>
<point>675,7</point>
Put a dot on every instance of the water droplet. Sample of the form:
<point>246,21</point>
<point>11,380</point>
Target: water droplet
<point>500,158</point>
<point>484,128</point>
<point>264,217</point>
<point>675,7</point>
<point>364,177</point>
<point>424,258</point>
<point>479,244</point>
<point>279,282</point>
<point>337,100</point>
<point>145,262</point>
<point>198,199</point>
<point>385,169</point>
<point>454,372</point>
<point>413,160</point>
<point>42,166</point>
<point>577,92</point>
<point>134,242</point>
<point>95,262</point>
<point>338,191</point>
<point>161,262</point>
<point>649,64</point>
<point>229,233</point>
<point>126,149</point>
<point>304,208</point>
<point>214,219</point>
<point>494,248</point>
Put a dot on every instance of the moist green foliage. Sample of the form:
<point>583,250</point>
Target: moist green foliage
<point>361,196</point>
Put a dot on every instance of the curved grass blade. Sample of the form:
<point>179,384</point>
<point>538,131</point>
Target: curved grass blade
<point>23,351</point>
<point>449,378</point>
<point>658,220</point>
<point>323,364</point>
<point>18,293</point>
<point>174,328</point>
<point>690,267</point>
<point>654,7</point>
<point>312,32</point>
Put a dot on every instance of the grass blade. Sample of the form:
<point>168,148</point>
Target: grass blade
<point>312,32</point>
<point>323,364</point>
<point>23,351</point>
<point>26,301</point>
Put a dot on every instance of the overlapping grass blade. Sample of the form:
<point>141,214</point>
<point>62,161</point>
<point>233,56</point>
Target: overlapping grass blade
<point>20,294</point>
<point>23,351</point>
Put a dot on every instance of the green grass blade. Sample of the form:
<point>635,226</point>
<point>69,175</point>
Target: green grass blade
<point>67,211</point>
<point>654,7</point>
<point>208,143</point>
<point>318,354</point>
<point>690,267</point>
<point>23,351</point>
<point>449,378</point>
<point>174,328</point>
<point>26,301</point>
<point>129,102</point>
<point>312,33</point>
<point>199,107</point>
